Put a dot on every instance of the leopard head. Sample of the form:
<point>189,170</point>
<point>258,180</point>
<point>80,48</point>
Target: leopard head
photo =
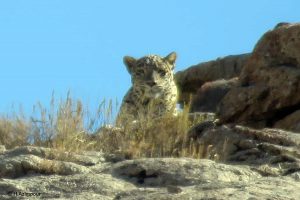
<point>151,73</point>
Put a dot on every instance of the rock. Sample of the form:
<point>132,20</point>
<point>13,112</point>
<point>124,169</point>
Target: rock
<point>90,158</point>
<point>158,172</point>
<point>270,82</point>
<point>277,48</point>
<point>210,94</point>
<point>196,117</point>
<point>233,143</point>
<point>147,178</point>
<point>35,171</point>
<point>185,178</point>
<point>290,122</point>
<point>77,186</point>
<point>14,167</point>
<point>191,79</point>
<point>174,189</point>
<point>199,128</point>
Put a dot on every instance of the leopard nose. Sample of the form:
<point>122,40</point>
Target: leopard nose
<point>152,83</point>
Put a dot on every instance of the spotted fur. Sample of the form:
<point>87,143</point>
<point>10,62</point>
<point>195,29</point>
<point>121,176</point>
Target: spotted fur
<point>153,87</point>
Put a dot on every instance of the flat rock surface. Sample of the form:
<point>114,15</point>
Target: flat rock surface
<point>93,175</point>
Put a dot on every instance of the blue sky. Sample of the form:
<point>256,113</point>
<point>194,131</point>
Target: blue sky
<point>61,45</point>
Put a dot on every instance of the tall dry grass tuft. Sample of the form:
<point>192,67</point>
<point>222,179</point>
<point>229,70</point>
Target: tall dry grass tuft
<point>67,124</point>
<point>164,136</point>
<point>14,130</point>
<point>64,124</point>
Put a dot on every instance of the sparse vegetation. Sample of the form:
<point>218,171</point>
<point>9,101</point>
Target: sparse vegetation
<point>165,136</point>
<point>14,130</point>
<point>68,126</point>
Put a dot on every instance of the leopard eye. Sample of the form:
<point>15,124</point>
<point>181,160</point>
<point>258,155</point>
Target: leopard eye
<point>162,72</point>
<point>139,71</point>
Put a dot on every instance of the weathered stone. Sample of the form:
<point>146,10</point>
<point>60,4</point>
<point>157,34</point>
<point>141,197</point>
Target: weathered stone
<point>148,178</point>
<point>290,122</point>
<point>191,79</point>
<point>270,81</point>
<point>25,164</point>
<point>210,94</point>
<point>277,48</point>
<point>245,145</point>
<point>171,171</point>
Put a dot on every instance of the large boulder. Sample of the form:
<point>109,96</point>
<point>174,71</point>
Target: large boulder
<point>269,89</point>
<point>209,95</point>
<point>191,79</point>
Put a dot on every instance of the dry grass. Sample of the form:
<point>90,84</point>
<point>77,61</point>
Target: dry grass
<point>165,136</point>
<point>14,130</point>
<point>68,126</point>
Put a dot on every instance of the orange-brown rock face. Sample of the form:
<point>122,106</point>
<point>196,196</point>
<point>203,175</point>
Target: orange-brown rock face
<point>270,81</point>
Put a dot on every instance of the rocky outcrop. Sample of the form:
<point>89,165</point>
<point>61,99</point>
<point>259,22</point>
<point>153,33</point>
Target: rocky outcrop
<point>191,79</point>
<point>290,122</point>
<point>269,89</point>
<point>101,176</point>
<point>208,97</point>
<point>234,143</point>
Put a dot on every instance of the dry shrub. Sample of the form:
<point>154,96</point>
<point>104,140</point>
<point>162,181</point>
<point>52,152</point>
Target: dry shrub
<point>164,136</point>
<point>14,130</point>
<point>66,126</point>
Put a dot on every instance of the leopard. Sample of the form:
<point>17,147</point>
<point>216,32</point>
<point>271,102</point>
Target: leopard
<point>153,92</point>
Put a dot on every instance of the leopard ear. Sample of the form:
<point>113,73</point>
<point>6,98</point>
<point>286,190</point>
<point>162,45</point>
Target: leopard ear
<point>129,62</point>
<point>171,58</point>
